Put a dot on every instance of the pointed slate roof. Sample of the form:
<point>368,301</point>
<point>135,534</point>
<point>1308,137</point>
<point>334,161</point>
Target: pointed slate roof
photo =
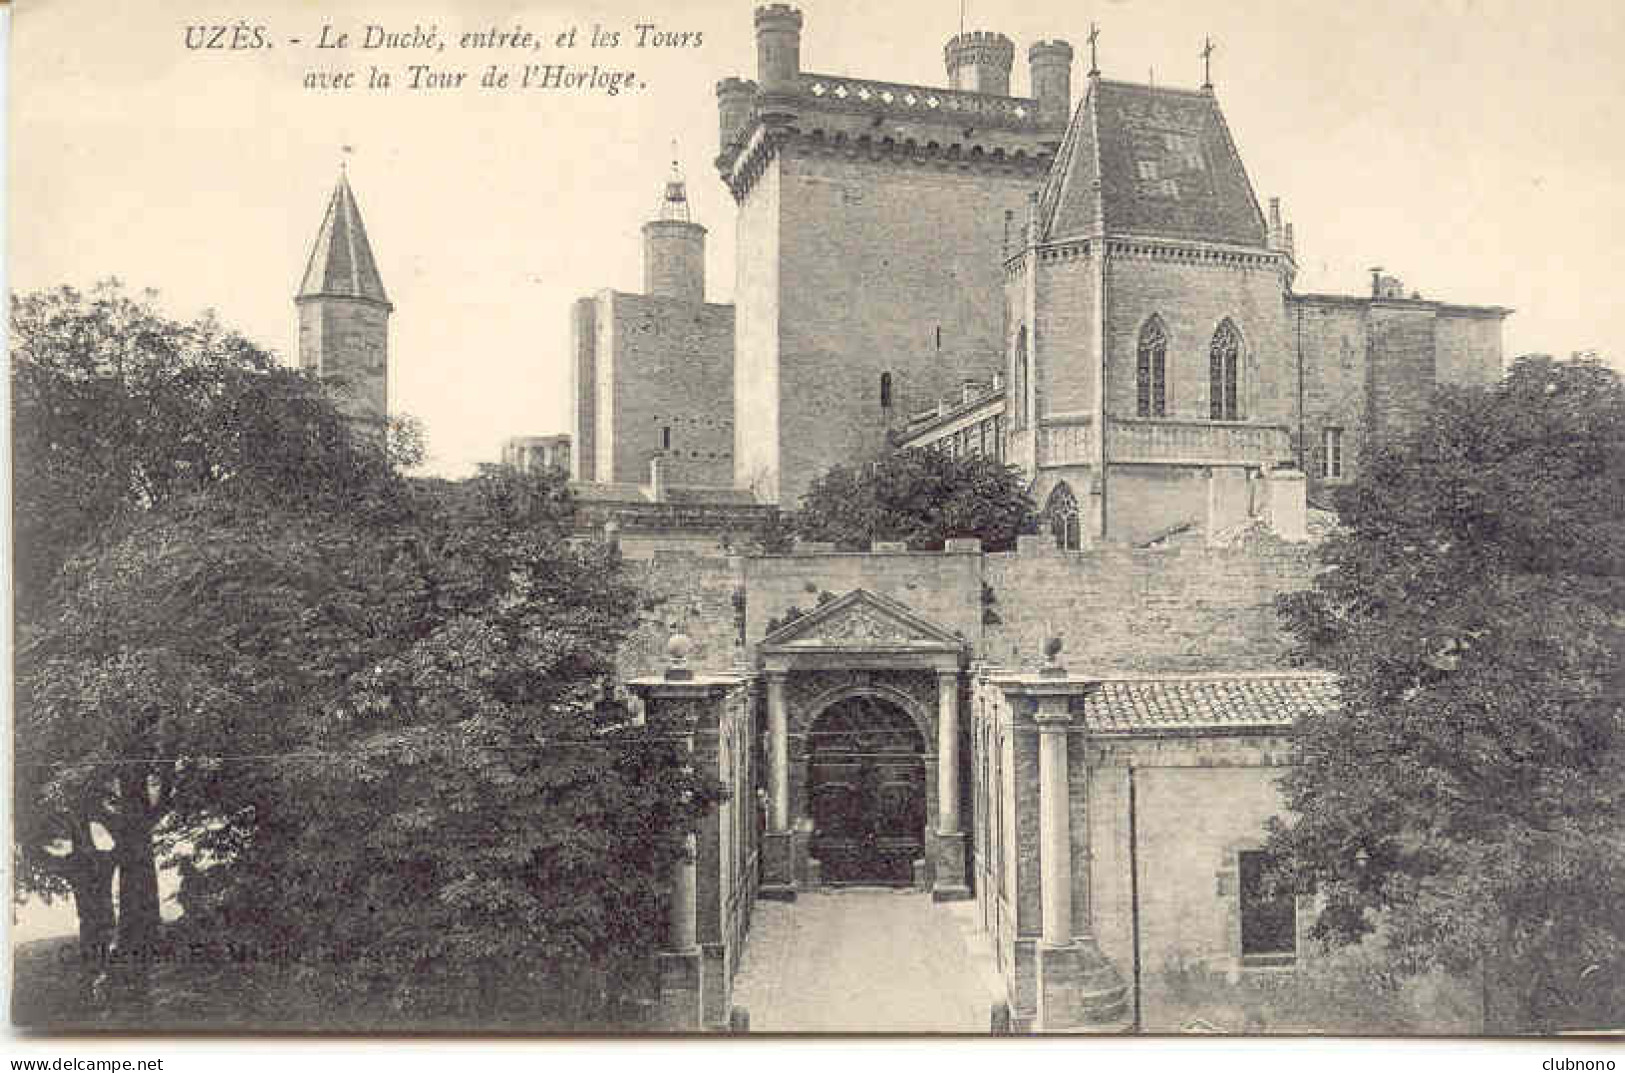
<point>341,263</point>
<point>1165,165</point>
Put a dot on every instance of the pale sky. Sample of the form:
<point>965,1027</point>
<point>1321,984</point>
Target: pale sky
<point>1471,148</point>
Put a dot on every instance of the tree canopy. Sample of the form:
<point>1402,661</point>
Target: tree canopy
<point>170,483</point>
<point>920,497</point>
<point>467,832</point>
<point>1467,799</point>
<point>358,712</point>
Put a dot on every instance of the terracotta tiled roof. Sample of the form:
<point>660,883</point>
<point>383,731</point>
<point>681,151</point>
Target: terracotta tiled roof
<point>1216,701</point>
<point>1166,167</point>
<point>341,263</point>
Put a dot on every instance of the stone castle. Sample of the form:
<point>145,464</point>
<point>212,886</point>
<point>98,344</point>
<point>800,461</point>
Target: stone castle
<point>1084,734</point>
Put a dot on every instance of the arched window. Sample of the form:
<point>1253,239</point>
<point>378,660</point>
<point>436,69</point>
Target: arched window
<point>885,390</point>
<point>1018,386</point>
<point>1151,375</point>
<point>1061,513</point>
<point>1224,360</point>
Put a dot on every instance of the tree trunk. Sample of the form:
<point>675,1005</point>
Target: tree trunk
<point>136,932</point>
<point>138,916</point>
<point>90,874</point>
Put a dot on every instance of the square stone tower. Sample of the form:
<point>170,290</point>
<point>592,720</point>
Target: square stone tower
<point>870,236</point>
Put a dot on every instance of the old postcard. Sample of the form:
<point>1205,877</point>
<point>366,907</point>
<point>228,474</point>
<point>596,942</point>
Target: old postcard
<point>934,518</point>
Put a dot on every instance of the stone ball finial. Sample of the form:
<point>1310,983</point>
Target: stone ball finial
<point>678,648</point>
<point>1052,655</point>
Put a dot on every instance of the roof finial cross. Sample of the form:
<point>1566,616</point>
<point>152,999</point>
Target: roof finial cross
<point>344,156</point>
<point>1207,62</point>
<point>1094,62</point>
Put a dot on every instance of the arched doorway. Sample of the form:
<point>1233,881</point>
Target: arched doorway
<point>866,792</point>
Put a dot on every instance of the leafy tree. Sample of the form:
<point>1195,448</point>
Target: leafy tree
<point>469,834</point>
<point>1467,796</point>
<point>921,497</point>
<point>170,482</point>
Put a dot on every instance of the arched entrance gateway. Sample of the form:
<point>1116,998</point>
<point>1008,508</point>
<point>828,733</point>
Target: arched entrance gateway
<point>866,792</point>
<point>863,750</point>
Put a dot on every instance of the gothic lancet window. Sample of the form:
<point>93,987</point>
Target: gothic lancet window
<point>1224,360</point>
<point>1151,375</point>
<point>1061,512</point>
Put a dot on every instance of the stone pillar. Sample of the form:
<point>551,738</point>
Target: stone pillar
<point>948,858</point>
<point>1054,828</point>
<point>948,752</point>
<point>1075,989</point>
<point>692,994</point>
<point>778,731</point>
<point>778,857</point>
<point>683,928</point>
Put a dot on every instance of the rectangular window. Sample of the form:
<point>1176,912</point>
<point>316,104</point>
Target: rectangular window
<point>1331,453</point>
<point>1269,917</point>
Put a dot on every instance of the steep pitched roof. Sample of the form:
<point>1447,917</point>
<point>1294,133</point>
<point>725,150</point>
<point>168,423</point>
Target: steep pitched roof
<point>341,263</point>
<point>1165,164</point>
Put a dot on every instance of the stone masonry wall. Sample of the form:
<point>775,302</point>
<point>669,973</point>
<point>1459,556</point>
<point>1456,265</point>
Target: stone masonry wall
<point>756,339</point>
<point>672,368</point>
<point>877,256</point>
<point>1175,609</point>
<point>1403,366</point>
<point>1469,349</point>
<point>346,341</point>
<point>584,389</point>
<point>1333,340</point>
<point>1192,300</point>
<point>688,593</point>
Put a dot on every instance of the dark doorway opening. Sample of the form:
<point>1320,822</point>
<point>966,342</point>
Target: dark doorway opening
<point>866,791</point>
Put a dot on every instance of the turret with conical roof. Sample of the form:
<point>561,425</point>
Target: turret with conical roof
<point>344,313</point>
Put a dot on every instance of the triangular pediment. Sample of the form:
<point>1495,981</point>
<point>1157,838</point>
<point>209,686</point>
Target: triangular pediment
<point>862,620</point>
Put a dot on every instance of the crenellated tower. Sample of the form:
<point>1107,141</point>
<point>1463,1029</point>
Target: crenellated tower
<point>870,227</point>
<point>344,314</point>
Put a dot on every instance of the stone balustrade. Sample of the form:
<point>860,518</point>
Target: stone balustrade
<point>1066,442</point>
<point>925,100</point>
<point>1071,441</point>
<point>1197,442</point>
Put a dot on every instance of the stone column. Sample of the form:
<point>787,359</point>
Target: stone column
<point>1054,828</point>
<point>948,844</point>
<point>948,752</point>
<point>778,734</point>
<point>1075,988</point>
<point>683,928</point>
<point>693,994</point>
<point>778,844</point>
